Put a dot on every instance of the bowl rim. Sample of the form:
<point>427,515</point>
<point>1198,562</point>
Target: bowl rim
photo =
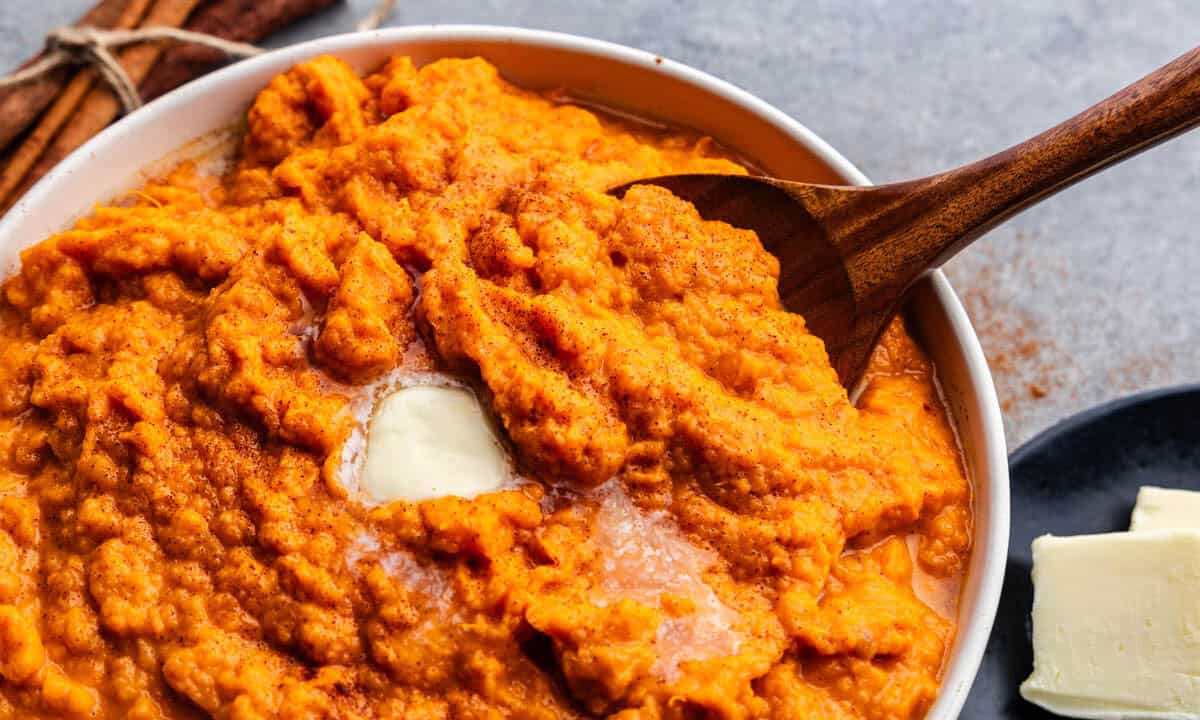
<point>973,632</point>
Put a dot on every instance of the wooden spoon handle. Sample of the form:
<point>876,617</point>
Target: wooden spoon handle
<point>893,233</point>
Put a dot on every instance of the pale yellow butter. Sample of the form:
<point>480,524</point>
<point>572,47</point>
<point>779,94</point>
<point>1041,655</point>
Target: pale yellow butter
<point>430,441</point>
<point>1162,509</point>
<point>1116,625</point>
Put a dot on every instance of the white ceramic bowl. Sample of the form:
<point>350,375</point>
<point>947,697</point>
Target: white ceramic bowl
<point>120,158</point>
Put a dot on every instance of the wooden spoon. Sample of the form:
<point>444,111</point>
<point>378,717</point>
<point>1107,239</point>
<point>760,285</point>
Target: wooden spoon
<point>848,255</point>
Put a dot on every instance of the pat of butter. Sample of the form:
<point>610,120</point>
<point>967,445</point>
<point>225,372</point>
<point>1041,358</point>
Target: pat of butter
<point>1116,625</point>
<point>1162,509</point>
<point>429,441</point>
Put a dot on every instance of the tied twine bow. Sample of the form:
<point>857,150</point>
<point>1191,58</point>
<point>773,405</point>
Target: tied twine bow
<point>91,46</point>
<point>71,45</point>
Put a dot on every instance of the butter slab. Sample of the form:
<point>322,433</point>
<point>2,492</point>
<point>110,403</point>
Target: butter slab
<point>1116,625</point>
<point>1162,509</point>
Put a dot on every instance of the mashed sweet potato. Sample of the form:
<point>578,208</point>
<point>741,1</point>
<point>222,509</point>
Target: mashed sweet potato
<point>705,526</point>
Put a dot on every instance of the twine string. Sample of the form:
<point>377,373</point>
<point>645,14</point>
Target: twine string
<point>90,46</point>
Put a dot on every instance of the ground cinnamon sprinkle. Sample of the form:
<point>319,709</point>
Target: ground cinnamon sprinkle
<point>1145,370</point>
<point>1035,359</point>
<point>1027,363</point>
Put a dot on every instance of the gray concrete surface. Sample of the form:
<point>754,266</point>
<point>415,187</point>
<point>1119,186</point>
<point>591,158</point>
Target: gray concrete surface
<point>1085,298</point>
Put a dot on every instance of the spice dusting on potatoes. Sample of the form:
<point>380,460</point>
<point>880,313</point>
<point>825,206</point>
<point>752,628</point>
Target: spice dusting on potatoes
<point>704,526</point>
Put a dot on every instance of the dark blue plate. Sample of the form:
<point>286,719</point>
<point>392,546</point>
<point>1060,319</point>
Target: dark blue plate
<point>1080,476</point>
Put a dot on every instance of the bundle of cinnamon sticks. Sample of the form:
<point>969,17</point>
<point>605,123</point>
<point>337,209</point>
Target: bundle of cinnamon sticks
<point>43,120</point>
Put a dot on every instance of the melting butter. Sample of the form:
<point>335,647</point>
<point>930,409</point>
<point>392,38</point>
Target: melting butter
<point>429,441</point>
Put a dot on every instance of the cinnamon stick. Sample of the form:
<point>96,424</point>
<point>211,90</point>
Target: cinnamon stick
<point>61,113</point>
<point>21,105</point>
<point>239,20</point>
<point>100,106</point>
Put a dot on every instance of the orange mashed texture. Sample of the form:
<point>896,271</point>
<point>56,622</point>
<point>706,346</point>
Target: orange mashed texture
<point>705,526</point>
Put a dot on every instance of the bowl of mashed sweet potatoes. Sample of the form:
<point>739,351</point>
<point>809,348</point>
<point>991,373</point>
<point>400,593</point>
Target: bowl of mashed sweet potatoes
<point>700,521</point>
